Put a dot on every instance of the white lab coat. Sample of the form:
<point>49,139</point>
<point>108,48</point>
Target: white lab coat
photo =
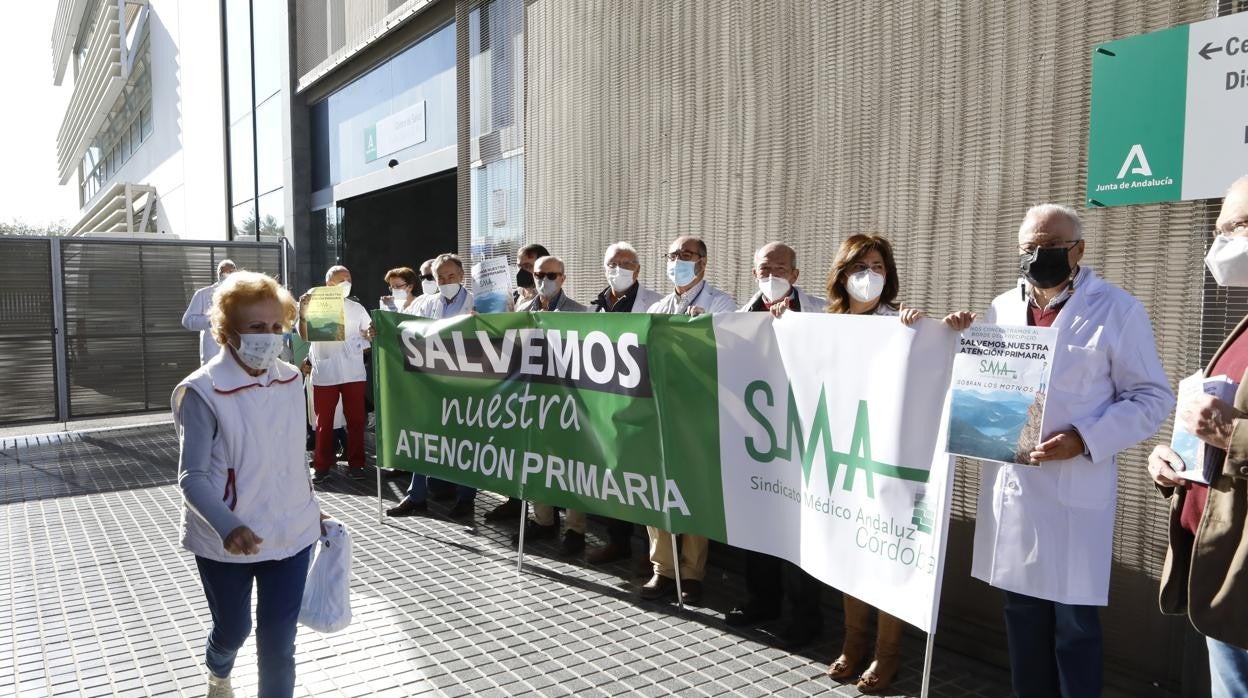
<point>705,296</point>
<point>196,318</point>
<point>1047,531</point>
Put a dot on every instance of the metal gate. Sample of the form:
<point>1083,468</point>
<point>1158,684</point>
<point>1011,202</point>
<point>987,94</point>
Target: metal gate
<point>92,327</point>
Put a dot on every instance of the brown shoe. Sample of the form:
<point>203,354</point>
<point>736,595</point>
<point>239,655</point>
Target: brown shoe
<point>879,676</point>
<point>852,653</point>
<point>658,587</point>
<point>690,592</point>
<point>610,552</point>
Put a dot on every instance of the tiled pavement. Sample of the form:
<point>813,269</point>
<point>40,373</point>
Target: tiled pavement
<point>101,601</point>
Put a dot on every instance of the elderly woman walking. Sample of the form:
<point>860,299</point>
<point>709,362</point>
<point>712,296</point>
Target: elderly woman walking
<point>250,514</point>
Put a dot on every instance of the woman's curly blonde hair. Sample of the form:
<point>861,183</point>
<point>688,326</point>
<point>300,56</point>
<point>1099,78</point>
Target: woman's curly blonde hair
<point>244,288</point>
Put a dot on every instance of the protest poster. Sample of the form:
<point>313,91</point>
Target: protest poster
<point>325,315</point>
<point>492,279</point>
<point>1000,383</point>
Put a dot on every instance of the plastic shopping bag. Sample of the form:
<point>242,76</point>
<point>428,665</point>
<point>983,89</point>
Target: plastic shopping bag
<point>327,595</point>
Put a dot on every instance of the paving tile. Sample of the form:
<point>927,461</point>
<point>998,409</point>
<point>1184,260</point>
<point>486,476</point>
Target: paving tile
<point>103,601</point>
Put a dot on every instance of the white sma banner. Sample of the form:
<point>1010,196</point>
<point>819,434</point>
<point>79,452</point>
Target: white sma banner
<point>831,431</point>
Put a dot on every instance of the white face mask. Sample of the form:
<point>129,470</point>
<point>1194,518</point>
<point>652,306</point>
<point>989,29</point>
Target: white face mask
<point>346,288</point>
<point>774,288</point>
<point>548,288</point>
<point>865,286</point>
<point>430,287</point>
<point>1228,260</point>
<point>620,279</point>
<point>449,291</point>
<point>399,295</point>
<point>682,272</point>
<point>258,351</point>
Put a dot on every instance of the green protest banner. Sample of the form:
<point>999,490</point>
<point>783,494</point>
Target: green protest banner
<point>816,438</point>
<point>538,406</point>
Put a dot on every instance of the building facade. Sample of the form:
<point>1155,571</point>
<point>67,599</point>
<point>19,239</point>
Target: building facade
<point>141,138</point>
<point>377,133</point>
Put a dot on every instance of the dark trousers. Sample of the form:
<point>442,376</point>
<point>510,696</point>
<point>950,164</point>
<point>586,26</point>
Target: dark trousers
<point>421,484</point>
<point>279,594</point>
<point>1055,648</point>
<point>620,533</point>
<point>771,581</point>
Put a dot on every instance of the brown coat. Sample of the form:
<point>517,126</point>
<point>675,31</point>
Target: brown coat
<point>1207,577</point>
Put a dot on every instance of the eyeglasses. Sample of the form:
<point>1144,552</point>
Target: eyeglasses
<point>621,265</point>
<point>683,255</point>
<point>1031,249</point>
<point>426,277</point>
<point>543,275</point>
<point>1232,227</point>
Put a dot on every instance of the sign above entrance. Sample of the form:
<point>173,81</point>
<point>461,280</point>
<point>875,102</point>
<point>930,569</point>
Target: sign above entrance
<point>1169,117</point>
<point>400,130</point>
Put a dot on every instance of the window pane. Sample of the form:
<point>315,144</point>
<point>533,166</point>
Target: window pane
<point>272,215</point>
<point>268,19</point>
<point>244,219</point>
<point>242,164</point>
<point>269,145</point>
<point>238,56</point>
<point>145,119</point>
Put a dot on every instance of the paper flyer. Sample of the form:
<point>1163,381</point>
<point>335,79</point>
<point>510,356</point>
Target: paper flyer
<point>492,279</point>
<point>1000,381</point>
<point>1184,442</point>
<point>325,315</point>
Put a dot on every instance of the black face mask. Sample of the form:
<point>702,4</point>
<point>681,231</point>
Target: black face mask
<point>1046,267</point>
<point>524,279</point>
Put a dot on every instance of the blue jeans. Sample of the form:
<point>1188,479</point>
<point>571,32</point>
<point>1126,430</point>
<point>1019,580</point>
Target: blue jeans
<point>1055,648</point>
<point>418,491</point>
<point>279,589</point>
<point>1228,669</point>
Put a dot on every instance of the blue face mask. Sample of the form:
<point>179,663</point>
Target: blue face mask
<point>681,272</point>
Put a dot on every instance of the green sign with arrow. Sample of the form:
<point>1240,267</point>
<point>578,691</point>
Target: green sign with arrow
<point>1169,115</point>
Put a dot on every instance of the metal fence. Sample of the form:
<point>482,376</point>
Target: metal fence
<point>92,327</point>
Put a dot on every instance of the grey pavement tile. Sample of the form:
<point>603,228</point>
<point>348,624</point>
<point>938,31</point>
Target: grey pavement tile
<point>439,608</point>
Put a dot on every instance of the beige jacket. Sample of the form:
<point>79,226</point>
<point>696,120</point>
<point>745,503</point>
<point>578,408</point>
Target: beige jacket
<point>1207,577</point>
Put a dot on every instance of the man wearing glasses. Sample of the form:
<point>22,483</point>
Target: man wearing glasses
<point>1044,531</point>
<point>686,267</point>
<point>548,278</point>
<point>1206,564</point>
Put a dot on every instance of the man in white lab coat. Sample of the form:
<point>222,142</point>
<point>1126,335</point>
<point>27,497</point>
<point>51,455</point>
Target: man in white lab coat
<point>196,317</point>
<point>624,294</point>
<point>451,300</point>
<point>1044,532</point>
<point>338,374</point>
<point>693,296</point>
